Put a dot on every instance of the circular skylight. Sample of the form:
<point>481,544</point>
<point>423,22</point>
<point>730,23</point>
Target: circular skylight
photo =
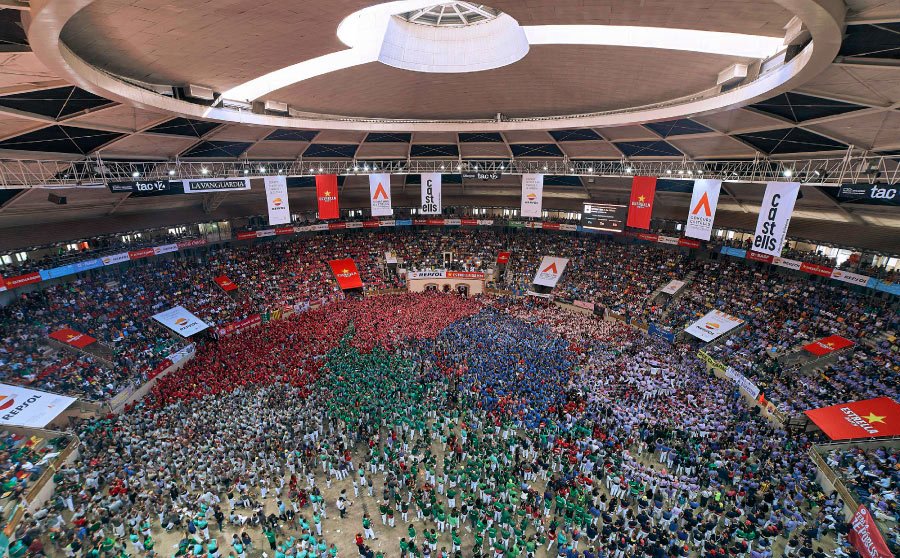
<point>451,14</point>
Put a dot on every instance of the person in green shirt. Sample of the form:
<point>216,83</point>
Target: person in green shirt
<point>270,536</point>
<point>148,544</point>
<point>367,527</point>
<point>412,533</point>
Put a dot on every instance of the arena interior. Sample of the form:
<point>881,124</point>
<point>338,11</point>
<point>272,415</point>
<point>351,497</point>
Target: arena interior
<point>654,312</point>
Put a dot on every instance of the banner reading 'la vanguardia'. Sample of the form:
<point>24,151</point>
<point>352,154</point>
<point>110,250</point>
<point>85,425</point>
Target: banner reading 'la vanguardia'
<point>346,274</point>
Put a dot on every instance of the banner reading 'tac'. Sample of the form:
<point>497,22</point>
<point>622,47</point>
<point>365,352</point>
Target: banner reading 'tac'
<point>532,195</point>
<point>277,199</point>
<point>380,194</point>
<point>431,194</point>
<point>775,217</point>
<point>640,208</point>
<point>702,212</point>
<point>550,270</point>
<point>346,273</point>
<point>713,325</point>
<point>327,196</point>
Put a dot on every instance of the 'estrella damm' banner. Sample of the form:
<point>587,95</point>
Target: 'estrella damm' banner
<point>346,274</point>
<point>327,196</point>
<point>72,337</point>
<point>828,345</point>
<point>872,418</point>
<point>640,208</point>
<point>225,283</point>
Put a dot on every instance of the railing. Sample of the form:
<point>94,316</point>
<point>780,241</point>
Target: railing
<point>95,172</point>
<point>36,496</point>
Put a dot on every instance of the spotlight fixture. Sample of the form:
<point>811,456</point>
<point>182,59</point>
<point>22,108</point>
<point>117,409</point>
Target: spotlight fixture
<point>321,169</point>
<point>442,167</point>
<point>545,167</point>
<point>135,174</point>
<point>204,170</point>
<point>262,169</point>
<point>590,169</point>
<point>787,173</point>
<point>171,172</point>
<point>356,168</point>
<point>668,171</point>
<point>628,170</point>
<point>690,172</point>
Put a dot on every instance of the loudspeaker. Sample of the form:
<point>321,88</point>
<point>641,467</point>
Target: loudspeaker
<point>58,200</point>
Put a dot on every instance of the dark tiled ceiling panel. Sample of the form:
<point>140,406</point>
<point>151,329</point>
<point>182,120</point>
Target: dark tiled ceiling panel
<point>54,103</point>
<point>61,139</point>
<point>536,150</point>
<point>480,137</point>
<point>680,127</point>
<point>797,107</point>
<point>790,140</point>
<point>184,127</point>
<point>292,135</point>
<point>331,150</point>
<point>647,149</point>
<point>585,134</point>
<point>880,40</point>
<point>218,149</point>
<point>380,137</point>
<point>431,150</point>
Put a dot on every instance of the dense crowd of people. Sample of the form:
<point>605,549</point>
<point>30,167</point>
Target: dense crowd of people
<point>781,311</point>
<point>433,425</point>
<point>873,475</point>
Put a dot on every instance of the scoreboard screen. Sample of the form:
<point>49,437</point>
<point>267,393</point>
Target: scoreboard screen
<point>604,217</point>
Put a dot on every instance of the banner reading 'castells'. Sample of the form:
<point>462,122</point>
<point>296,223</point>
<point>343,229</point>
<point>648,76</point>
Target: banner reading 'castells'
<point>431,194</point>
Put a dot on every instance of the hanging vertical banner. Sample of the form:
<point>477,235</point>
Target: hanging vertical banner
<point>277,198</point>
<point>643,188</point>
<point>865,536</point>
<point>431,194</point>
<point>703,209</point>
<point>550,270</point>
<point>532,194</point>
<point>327,195</point>
<point>503,258</point>
<point>380,194</point>
<point>775,217</point>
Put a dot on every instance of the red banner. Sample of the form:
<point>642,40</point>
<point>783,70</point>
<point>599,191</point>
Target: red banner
<point>648,237</point>
<point>327,194</point>
<point>757,257</point>
<point>371,224</point>
<point>420,221</point>
<point>465,275</point>
<point>828,345</point>
<point>73,338</point>
<point>689,243</point>
<point>336,226</point>
<point>816,269</point>
<point>246,235</point>
<point>22,280</point>
<point>240,325</point>
<point>468,222</point>
<point>550,226</point>
<point>503,257</point>
<point>346,274</point>
<point>643,188</point>
<point>225,283</point>
<point>865,536</point>
<point>280,231</point>
<point>193,243</point>
<point>872,418</point>
<point>142,253</point>
<point>2,284</point>
<point>435,222</point>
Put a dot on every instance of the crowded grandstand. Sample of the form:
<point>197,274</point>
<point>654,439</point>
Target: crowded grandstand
<point>426,279</point>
